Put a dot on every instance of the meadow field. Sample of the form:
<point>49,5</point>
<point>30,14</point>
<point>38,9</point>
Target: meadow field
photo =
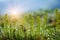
<point>36,25</point>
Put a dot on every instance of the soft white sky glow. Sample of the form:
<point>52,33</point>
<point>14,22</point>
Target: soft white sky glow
<point>29,4</point>
<point>15,12</point>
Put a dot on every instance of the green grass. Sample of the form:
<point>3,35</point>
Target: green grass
<point>31,28</point>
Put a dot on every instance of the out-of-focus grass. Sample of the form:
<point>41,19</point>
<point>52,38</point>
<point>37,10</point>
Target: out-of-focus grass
<point>31,27</point>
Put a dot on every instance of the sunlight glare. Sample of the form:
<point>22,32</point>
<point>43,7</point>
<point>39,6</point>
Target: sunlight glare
<point>15,13</point>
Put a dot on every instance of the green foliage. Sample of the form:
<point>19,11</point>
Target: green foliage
<point>32,27</point>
